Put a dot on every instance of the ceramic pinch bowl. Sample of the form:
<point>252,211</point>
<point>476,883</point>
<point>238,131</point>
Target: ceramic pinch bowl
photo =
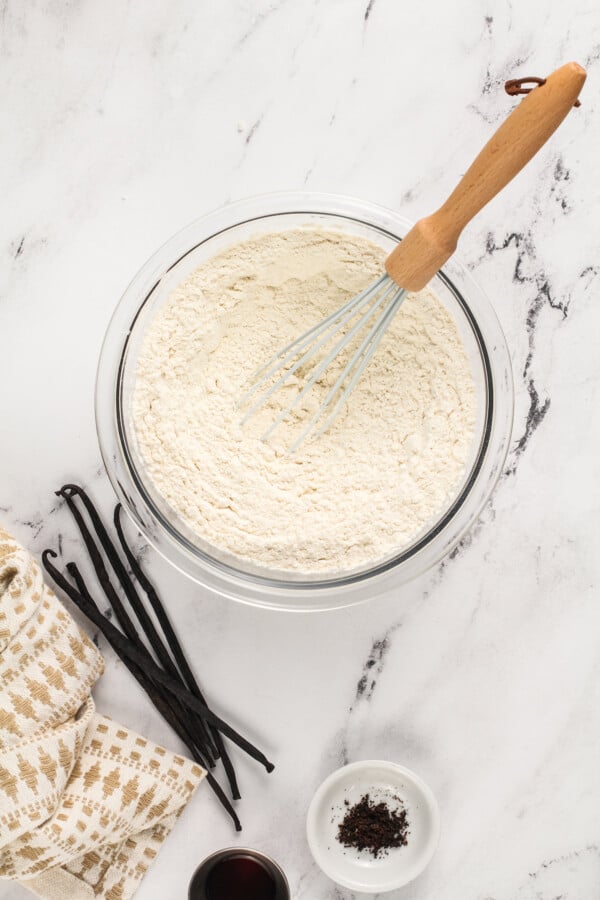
<point>383,781</point>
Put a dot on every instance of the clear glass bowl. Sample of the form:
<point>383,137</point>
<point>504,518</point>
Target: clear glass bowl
<point>229,576</point>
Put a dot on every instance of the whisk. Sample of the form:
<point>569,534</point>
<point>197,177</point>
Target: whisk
<point>361,323</point>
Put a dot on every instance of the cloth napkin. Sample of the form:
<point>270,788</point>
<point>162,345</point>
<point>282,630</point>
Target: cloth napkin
<point>85,803</point>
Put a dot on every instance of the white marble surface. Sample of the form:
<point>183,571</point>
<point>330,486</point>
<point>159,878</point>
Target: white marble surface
<point>122,122</point>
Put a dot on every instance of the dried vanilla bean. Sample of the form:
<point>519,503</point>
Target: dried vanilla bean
<point>154,690</point>
<point>173,643</point>
<point>127,649</point>
<point>161,700</point>
<point>167,678</point>
<point>68,492</point>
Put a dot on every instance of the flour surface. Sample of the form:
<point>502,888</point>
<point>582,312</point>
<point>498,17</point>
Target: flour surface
<point>362,491</point>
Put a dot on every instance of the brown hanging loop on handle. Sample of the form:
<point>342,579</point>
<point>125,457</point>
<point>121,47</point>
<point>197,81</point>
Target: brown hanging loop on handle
<point>514,86</point>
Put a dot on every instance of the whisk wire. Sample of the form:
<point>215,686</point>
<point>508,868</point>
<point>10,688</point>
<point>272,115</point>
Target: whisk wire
<point>326,362</point>
<point>340,316</point>
<point>381,299</point>
<point>366,350</point>
<point>298,345</point>
<point>386,320</point>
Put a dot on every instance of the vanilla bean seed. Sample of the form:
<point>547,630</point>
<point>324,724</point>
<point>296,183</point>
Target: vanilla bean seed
<point>374,827</point>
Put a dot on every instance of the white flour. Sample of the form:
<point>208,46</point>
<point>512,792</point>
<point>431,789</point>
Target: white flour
<point>360,492</point>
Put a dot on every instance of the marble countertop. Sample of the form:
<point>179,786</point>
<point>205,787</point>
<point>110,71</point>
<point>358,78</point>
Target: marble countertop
<point>123,122</point>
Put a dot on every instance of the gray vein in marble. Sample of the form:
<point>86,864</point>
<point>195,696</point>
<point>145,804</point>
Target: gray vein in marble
<point>252,130</point>
<point>35,524</point>
<point>566,857</point>
<point>257,22</point>
<point>372,670</point>
<point>593,56</point>
<point>561,174</point>
<point>373,667</point>
<point>486,517</point>
<point>525,247</point>
<point>493,84</point>
<point>555,876</point>
<point>330,123</point>
<point>589,270</point>
<point>368,10</point>
<point>23,245</point>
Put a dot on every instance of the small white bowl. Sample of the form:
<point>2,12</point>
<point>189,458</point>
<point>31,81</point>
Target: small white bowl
<point>359,870</point>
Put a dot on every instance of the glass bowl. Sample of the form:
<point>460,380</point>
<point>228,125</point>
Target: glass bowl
<point>223,573</point>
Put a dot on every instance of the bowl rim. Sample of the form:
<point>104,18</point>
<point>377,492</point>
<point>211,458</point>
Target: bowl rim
<point>430,844</point>
<point>226,580</point>
<point>205,866</point>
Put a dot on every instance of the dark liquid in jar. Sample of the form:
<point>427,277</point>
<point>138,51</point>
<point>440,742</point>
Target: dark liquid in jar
<point>240,878</point>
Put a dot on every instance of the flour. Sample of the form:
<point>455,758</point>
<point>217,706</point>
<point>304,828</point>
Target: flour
<point>391,462</point>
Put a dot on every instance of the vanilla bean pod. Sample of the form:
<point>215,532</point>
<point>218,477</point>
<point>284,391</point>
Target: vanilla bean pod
<point>68,492</point>
<point>121,613</point>
<point>101,573</point>
<point>170,684</point>
<point>161,702</point>
<point>157,694</point>
<point>155,691</point>
<point>172,641</point>
<point>129,649</point>
<point>126,648</point>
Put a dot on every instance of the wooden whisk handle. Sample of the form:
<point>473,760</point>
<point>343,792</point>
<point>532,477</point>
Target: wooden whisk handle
<point>433,239</point>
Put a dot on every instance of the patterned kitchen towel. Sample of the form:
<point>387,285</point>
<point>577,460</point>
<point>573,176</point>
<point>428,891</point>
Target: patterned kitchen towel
<point>84,803</point>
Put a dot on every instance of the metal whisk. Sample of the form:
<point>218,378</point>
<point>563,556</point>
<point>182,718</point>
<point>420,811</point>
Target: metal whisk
<point>379,301</point>
<point>414,262</point>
